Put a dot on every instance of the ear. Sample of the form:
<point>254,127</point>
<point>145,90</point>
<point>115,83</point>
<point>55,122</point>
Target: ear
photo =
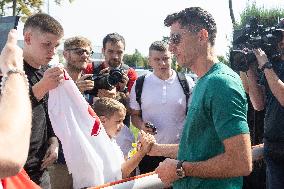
<point>103,119</point>
<point>27,38</point>
<point>65,54</point>
<point>203,35</point>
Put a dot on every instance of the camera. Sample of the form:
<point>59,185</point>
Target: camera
<point>106,80</point>
<point>151,126</point>
<point>250,37</point>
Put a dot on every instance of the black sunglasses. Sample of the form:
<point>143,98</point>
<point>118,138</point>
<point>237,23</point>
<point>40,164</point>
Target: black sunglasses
<point>175,38</point>
<point>80,51</point>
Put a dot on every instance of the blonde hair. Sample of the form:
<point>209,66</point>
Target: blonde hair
<point>76,42</point>
<point>107,107</point>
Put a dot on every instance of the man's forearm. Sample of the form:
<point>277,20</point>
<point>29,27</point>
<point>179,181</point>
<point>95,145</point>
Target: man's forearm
<point>15,123</point>
<point>275,85</point>
<point>166,150</point>
<point>233,163</point>
<point>256,92</point>
<point>39,90</point>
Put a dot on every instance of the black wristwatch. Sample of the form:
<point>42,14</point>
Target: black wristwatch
<point>267,65</point>
<point>179,170</point>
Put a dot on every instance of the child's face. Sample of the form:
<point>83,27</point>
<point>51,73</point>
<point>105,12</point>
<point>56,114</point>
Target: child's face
<point>114,124</point>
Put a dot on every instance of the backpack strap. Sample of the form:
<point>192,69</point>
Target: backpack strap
<point>185,87</point>
<point>138,88</point>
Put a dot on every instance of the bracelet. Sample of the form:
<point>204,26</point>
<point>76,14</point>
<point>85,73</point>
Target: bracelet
<point>13,71</point>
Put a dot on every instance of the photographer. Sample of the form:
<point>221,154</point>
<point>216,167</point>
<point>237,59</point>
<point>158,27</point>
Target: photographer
<point>270,95</point>
<point>113,51</point>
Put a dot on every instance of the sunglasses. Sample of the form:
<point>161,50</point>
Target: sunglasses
<point>175,38</point>
<point>80,51</point>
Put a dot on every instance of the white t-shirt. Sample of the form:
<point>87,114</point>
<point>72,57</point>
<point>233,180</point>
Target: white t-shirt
<point>163,103</point>
<point>119,158</point>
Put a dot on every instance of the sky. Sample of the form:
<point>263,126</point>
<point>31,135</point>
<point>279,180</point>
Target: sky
<point>141,22</point>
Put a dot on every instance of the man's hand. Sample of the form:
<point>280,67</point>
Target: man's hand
<point>123,84</point>
<point>51,78</point>
<point>51,155</point>
<point>84,84</point>
<point>261,57</point>
<point>107,93</point>
<point>167,171</point>
<point>146,142</point>
<point>11,55</point>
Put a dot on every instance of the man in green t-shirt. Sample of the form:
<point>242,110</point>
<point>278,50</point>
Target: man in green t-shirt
<point>214,151</point>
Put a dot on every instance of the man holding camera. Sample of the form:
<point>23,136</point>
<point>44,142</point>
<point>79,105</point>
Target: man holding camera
<point>162,102</point>
<point>113,51</point>
<point>123,78</point>
<point>270,95</point>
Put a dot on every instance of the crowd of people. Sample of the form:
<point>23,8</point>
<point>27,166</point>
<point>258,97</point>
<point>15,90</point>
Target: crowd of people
<point>193,135</point>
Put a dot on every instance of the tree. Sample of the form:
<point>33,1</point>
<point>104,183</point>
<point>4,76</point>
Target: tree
<point>135,60</point>
<point>23,8</point>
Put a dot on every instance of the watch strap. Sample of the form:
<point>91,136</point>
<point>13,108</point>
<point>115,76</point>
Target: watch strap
<point>267,65</point>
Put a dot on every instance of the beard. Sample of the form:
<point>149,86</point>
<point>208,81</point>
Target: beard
<point>114,63</point>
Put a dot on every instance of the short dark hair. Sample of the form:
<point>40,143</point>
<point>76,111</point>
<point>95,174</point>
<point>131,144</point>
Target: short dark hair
<point>114,38</point>
<point>77,42</point>
<point>158,46</point>
<point>194,19</point>
<point>45,23</point>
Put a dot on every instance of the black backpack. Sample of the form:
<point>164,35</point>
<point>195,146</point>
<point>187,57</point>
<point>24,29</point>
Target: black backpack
<point>181,78</point>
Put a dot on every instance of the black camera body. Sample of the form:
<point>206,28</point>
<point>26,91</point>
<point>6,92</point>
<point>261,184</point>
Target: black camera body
<point>251,37</point>
<point>106,80</point>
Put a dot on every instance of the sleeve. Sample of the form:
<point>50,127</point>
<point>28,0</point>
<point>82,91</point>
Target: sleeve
<point>228,107</point>
<point>132,75</point>
<point>133,103</point>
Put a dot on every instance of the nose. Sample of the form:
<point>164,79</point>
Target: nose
<point>52,51</point>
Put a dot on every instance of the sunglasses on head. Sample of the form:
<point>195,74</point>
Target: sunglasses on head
<point>80,51</point>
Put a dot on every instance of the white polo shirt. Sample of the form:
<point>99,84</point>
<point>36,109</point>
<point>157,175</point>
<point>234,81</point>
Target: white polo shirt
<point>163,103</point>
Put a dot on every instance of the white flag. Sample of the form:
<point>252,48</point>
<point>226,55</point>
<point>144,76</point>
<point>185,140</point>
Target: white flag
<point>88,150</point>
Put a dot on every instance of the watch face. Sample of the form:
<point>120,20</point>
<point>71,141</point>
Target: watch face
<point>180,173</point>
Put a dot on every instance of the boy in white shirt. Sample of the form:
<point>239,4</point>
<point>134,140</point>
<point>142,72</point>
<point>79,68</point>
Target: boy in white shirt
<point>112,113</point>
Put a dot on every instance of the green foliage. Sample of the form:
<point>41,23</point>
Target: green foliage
<point>24,8</point>
<point>266,17</point>
<point>224,60</point>
<point>135,60</point>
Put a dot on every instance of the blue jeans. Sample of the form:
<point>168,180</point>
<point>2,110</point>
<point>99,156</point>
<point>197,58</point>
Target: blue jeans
<point>274,157</point>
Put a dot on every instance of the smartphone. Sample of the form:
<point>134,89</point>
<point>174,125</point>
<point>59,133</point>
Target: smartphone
<point>6,24</point>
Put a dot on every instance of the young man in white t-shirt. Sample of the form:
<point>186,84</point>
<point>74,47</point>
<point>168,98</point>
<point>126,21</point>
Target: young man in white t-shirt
<point>163,102</point>
<point>112,113</point>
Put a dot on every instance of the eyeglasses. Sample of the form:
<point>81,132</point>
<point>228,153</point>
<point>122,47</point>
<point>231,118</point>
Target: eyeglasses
<point>80,51</point>
<point>175,38</point>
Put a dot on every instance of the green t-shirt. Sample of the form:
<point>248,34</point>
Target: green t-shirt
<point>218,111</point>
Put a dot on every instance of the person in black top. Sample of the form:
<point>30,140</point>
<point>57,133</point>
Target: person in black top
<point>270,95</point>
<point>42,35</point>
